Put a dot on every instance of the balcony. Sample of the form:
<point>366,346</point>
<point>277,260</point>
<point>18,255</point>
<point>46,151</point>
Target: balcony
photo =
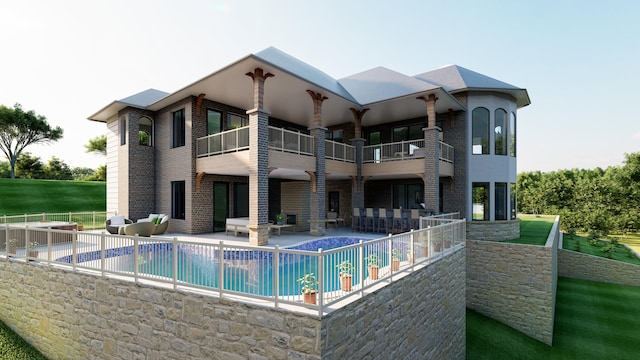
<point>339,151</point>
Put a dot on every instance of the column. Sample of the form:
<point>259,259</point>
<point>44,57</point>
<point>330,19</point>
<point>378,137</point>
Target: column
<point>317,211</point>
<point>432,156</point>
<point>357,188</point>
<point>258,162</point>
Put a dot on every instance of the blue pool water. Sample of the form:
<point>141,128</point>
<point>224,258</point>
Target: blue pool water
<point>244,271</point>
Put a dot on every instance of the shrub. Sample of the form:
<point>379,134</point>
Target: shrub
<point>594,242</point>
<point>614,241</point>
<point>608,250</point>
<point>593,235</point>
<point>571,232</point>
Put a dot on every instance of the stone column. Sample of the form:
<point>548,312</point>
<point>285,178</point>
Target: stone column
<point>258,162</point>
<point>432,156</point>
<point>357,191</point>
<point>318,192</point>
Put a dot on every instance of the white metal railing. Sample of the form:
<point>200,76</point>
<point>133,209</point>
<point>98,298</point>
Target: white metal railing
<point>339,151</point>
<point>435,220</point>
<point>403,150</point>
<point>446,152</point>
<point>223,142</point>
<point>87,219</point>
<point>241,270</point>
<point>290,141</point>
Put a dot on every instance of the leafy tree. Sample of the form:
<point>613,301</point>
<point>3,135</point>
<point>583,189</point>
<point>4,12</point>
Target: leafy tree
<point>5,169</point>
<point>97,145</point>
<point>56,169</point>
<point>29,167</point>
<point>19,129</point>
<point>82,173</point>
<point>100,174</point>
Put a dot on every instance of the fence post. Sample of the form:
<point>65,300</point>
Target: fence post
<point>221,267</point>
<point>136,252</point>
<point>174,254</point>
<point>390,259</point>
<point>103,260</point>
<point>49,247</point>
<point>320,282</point>
<point>27,245</point>
<point>361,265</point>
<point>275,274</point>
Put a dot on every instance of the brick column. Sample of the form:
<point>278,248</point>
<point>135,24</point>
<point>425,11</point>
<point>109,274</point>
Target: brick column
<point>357,187</point>
<point>432,168</point>
<point>258,163</point>
<point>317,198</point>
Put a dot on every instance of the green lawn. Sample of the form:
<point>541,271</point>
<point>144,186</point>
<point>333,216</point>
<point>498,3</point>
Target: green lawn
<point>534,229</point>
<point>23,196</point>
<point>13,347</point>
<point>582,244</point>
<point>593,321</point>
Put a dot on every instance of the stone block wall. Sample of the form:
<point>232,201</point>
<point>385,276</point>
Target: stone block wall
<point>72,315</point>
<point>573,264</point>
<point>421,316</point>
<point>493,230</point>
<point>514,284</point>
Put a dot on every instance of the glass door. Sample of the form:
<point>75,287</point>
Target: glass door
<point>220,205</point>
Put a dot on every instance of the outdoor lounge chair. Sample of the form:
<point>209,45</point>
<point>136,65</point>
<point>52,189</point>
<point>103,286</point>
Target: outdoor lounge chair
<point>140,228</point>
<point>115,222</point>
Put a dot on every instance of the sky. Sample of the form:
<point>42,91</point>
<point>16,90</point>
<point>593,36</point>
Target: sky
<point>579,60</point>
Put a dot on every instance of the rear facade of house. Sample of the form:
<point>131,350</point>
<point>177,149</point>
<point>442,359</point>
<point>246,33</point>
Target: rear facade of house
<point>270,134</point>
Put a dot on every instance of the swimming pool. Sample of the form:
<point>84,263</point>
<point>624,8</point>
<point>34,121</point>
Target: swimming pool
<point>244,271</point>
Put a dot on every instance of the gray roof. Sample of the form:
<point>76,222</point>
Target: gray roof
<point>380,84</point>
<point>144,98</point>
<point>454,78</point>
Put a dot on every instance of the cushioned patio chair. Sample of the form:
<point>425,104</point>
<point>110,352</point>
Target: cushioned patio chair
<point>115,222</point>
<point>161,228</point>
<point>141,228</point>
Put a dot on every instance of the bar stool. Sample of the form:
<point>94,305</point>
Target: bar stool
<point>355,219</point>
<point>382,219</point>
<point>415,219</point>
<point>398,221</point>
<point>370,220</point>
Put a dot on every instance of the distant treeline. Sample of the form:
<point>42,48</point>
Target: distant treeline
<point>601,200</point>
<point>31,167</point>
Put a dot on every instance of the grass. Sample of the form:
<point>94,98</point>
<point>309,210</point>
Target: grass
<point>13,346</point>
<point>593,321</point>
<point>534,229</point>
<point>582,244</point>
<point>22,196</point>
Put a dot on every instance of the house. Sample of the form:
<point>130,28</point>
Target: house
<point>270,134</point>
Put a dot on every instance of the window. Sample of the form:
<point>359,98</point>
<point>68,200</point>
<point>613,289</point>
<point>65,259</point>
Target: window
<point>374,139</point>
<point>512,133</point>
<point>177,199</point>
<point>145,131</point>
<point>335,135</point>
<point>480,131</point>
<point>500,132</point>
<point>513,193</point>
<point>334,201</point>
<point>415,132</point>
<point>235,121</point>
<point>214,122</point>
<point>407,196</point>
<point>123,131</point>
<point>178,133</point>
<point>480,201</point>
<point>500,201</point>
<point>400,133</point>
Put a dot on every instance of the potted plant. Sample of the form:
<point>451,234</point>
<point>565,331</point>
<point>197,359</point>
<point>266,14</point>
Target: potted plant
<point>395,260</point>
<point>309,292</point>
<point>345,270</point>
<point>280,219</point>
<point>33,244</point>
<point>12,246</point>
<point>373,265</point>
<point>437,243</point>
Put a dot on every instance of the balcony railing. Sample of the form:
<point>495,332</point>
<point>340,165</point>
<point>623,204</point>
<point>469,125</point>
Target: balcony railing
<point>403,150</point>
<point>268,274</point>
<point>223,142</point>
<point>290,141</point>
<point>339,151</point>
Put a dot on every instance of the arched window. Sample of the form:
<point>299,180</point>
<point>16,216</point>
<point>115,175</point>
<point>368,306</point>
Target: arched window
<point>145,131</point>
<point>500,132</point>
<point>480,131</point>
<point>512,133</point>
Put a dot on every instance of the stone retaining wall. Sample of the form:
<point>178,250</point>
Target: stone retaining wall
<point>573,264</point>
<point>72,315</point>
<point>493,230</point>
<point>514,284</point>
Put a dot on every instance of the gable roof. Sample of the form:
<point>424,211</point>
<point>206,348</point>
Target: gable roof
<point>456,79</point>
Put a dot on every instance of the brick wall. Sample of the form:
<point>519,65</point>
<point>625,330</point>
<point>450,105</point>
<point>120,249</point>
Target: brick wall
<point>454,134</point>
<point>295,198</point>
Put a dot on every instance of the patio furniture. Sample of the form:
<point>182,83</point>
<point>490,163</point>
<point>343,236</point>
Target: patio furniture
<point>398,221</point>
<point>140,228</point>
<point>382,219</point>
<point>162,227</point>
<point>115,222</point>
<point>370,220</point>
<point>332,218</point>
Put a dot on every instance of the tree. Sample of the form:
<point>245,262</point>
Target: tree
<point>19,129</point>
<point>56,169</point>
<point>29,167</point>
<point>97,145</point>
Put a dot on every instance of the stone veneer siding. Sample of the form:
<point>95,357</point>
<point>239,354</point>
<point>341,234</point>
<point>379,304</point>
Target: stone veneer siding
<point>72,315</point>
<point>515,284</point>
<point>573,264</point>
<point>493,230</point>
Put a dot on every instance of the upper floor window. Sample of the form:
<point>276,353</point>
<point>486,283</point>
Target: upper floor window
<point>500,132</point>
<point>480,131</point>
<point>145,131</point>
<point>123,131</point>
<point>512,133</point>
<point>178,133</point>
<point>214,122</point>
<point>335,135</point>
<point>235,121</point>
